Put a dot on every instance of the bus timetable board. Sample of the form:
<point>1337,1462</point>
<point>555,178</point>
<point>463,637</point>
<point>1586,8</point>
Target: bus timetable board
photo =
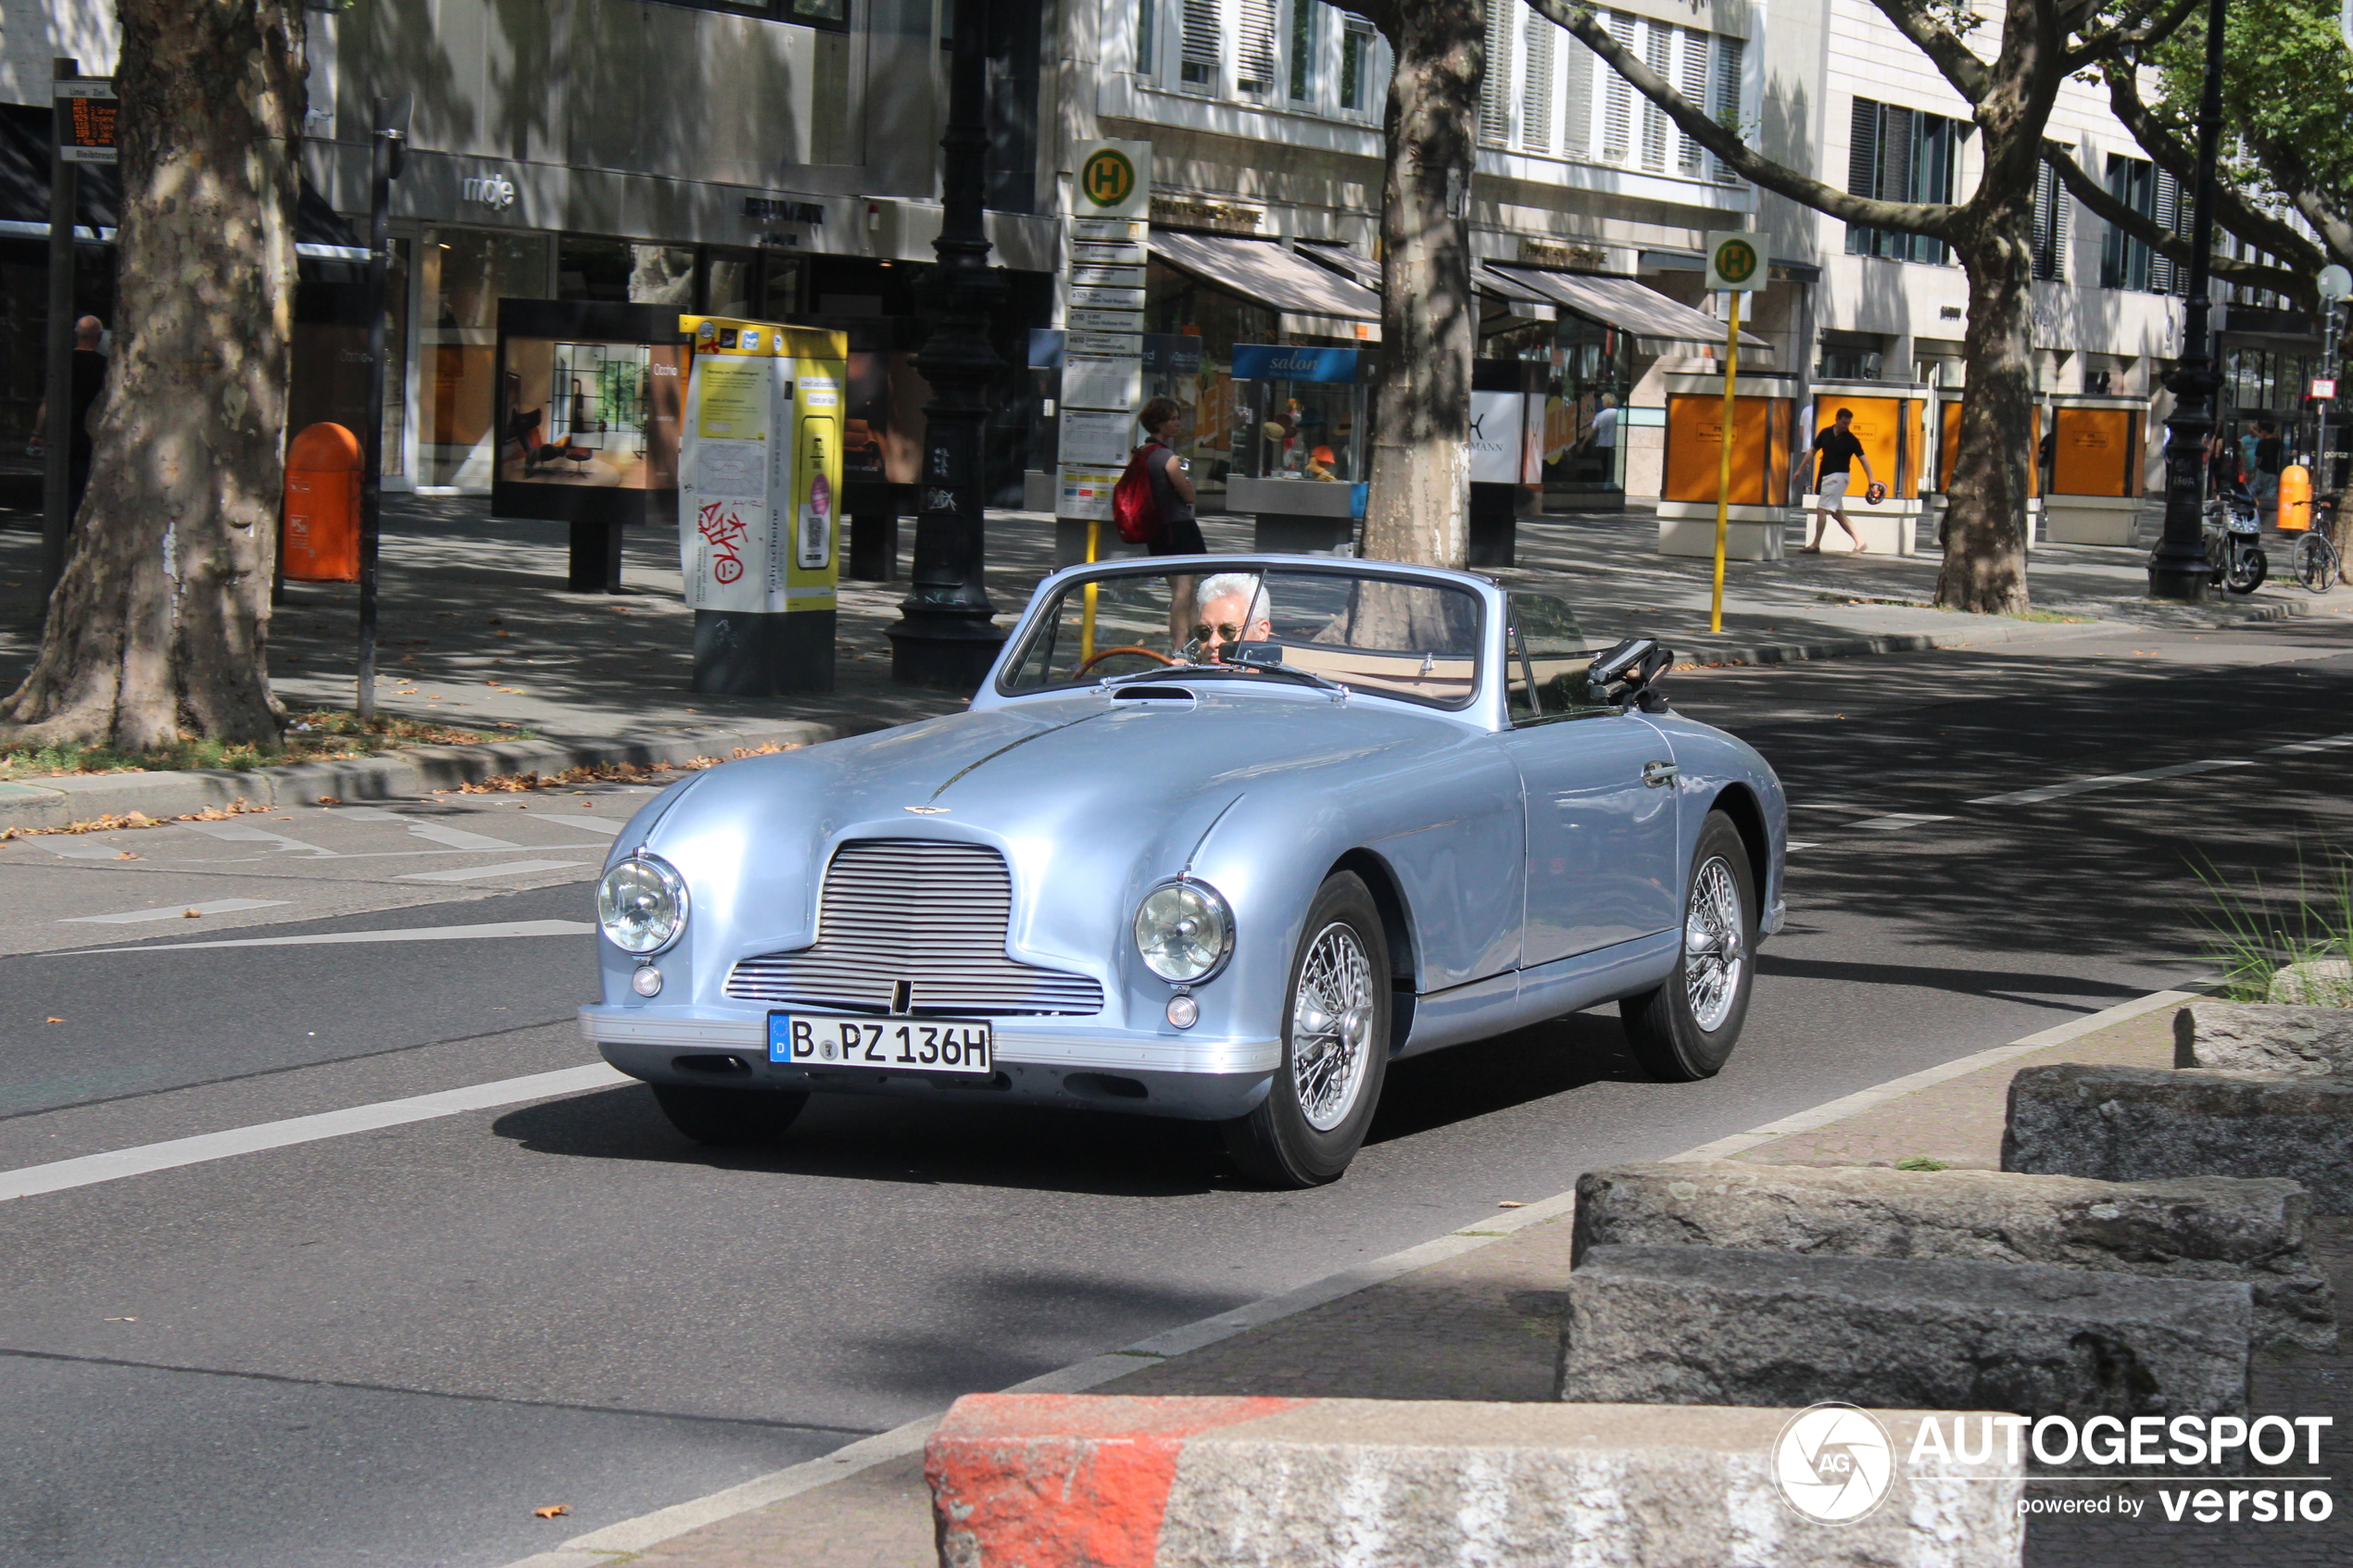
<point>87,121</point>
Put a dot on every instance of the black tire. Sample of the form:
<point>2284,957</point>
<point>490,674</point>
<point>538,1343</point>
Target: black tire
<point>729,1118</point>
<point>2315,562</point>
<point>1662,1028</point>
<point>1278,1145</point>
<point>2248,568</point>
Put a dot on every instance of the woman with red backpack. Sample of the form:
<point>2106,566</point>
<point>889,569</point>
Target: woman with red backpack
<point>1153,502</point>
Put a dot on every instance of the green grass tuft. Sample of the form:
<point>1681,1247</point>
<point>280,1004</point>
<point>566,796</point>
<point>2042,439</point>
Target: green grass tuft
<point>2259,931</point>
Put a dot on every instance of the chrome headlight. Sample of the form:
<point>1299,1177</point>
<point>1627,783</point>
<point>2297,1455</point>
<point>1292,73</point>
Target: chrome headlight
<point>1184,931</point>
<point>641,903</point>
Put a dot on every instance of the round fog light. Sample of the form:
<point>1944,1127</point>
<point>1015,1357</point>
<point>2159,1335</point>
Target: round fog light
<point>1184,1012</point>
<point>647,982</point>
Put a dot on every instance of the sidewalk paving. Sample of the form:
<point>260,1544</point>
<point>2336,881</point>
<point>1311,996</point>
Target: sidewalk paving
<point>477,630</point>
<point>1485,1325</point>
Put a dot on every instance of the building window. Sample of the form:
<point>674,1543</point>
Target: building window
<point>1254,61</point>
<point>1896,154</point>
<point>1356,41</point>
<point>2050,225</point>
<point>2125,262</point>
<point>1304,35</point>
<point>1198,45</point>
<point>1495,85</point>
<point>1731,54</point>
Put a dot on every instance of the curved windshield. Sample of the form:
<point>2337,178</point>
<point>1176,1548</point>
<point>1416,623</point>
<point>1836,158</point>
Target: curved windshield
<point>1383,636</point>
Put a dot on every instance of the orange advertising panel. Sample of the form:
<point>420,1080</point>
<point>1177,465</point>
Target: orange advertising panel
<point>1889,429</point>
<point>2096,452</point>
<point>1695,448</point>
<point>1950,451</point>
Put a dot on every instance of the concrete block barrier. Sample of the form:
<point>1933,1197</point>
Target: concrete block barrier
<point>1699,1325</point>
<point>2294,1042</point>
<point>2196,1228</point>
<point>1090,1481</point>
<point>2139,1125</point>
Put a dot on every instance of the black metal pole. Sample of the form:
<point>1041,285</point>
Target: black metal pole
<point>2177,567</point>
<point>385,157</point>
<point>946,637</point>
<point>57,477</point>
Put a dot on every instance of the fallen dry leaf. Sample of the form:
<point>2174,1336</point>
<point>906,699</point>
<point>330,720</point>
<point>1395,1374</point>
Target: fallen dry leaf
<point>331,800</point>
<point>192,914</point>
<point>1509,1203</point>
<point>53,1021</point>
<point>126,855</point>
<point>553,1511</point>
<point>122,1320</point>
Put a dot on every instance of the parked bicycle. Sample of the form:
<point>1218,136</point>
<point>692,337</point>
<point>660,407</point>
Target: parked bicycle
<point>2235,555</point>
<point>2318,564</point>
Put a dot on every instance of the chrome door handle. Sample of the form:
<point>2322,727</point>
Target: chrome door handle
<point>1657,774</point>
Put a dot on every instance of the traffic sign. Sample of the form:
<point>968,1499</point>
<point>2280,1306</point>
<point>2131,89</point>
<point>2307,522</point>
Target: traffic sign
<point>1114,179</point>
<point>1734,262</point>
<point>2323,387</point>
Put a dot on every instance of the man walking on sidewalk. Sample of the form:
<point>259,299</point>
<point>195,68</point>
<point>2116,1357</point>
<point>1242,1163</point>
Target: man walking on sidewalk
<point>1836,450</point>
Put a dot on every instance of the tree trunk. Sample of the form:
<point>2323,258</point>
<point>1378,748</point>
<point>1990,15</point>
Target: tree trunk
<point>1985,520</point>
<point>160,625</point>
<point>1419,506</point>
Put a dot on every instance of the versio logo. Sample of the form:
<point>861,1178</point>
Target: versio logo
<point>1835,1463</point>
<point>1108,178</point>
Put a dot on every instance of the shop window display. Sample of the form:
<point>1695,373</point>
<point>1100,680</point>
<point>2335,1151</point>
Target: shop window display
<point>463,274</point>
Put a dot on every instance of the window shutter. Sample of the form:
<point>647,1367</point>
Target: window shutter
<point>1862,169</point>
<point>1658,43</point>
<point>2164,277</point>
<point>1692,82</point>
<point>1897,129</point>
<point>1495,87</point>
<point>1198,52</point>
<point>1732,55</point>
<point>2050,225</point>
<point>1577,65</point>
<point>1617,104</point>
<point>1255,59</point>
<point>1536,84</point>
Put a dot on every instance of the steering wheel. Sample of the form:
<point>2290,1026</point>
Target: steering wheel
<point>1123,647</point>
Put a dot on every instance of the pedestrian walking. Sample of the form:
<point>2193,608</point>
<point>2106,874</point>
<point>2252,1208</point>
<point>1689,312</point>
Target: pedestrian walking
<point>1173,493</point>
<point>1836,450</point>
<point>89,379</point>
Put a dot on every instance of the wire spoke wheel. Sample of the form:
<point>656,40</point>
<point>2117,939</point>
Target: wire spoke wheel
<point>1331,1022</point>
<point>1715,955</point>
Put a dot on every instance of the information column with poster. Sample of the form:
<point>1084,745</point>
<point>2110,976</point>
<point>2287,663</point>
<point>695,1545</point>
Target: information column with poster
<point>759,483</point>
<point>1104,345</point>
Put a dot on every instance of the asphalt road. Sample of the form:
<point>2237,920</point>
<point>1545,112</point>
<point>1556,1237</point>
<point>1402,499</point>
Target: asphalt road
<point>388,1347</point>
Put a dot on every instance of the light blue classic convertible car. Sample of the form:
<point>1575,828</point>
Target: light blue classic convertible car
<point>1220,838</point>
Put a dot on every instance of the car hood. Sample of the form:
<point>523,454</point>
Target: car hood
<point>1085,796</point>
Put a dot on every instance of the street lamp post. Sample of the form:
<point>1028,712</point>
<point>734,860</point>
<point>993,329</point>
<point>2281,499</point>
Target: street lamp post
<point>945,636</point>
<point>2177,567</point>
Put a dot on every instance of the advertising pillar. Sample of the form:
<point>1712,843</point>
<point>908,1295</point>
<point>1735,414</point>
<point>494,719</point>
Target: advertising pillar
<point>758,515</point>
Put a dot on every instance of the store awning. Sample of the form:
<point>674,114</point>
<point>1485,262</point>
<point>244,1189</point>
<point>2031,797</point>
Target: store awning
<point>1365,271</point>
<point>24,195</point>
<point>1265,273</point>
<point>1628,306</point>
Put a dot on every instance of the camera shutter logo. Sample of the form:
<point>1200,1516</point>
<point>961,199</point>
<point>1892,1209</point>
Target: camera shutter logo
<point>1834,1463</point>
<point>1109,177</point>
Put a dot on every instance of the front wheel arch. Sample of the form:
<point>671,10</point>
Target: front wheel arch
<point>1397,927</point>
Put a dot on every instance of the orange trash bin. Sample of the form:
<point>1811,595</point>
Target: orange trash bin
<point>321,533</point>
<point>2296,496</point>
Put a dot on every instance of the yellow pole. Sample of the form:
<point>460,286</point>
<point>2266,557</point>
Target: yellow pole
<point>1087,615</point>
<point>1724,461</point>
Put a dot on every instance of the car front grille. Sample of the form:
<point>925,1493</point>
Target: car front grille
<point>923,914</point>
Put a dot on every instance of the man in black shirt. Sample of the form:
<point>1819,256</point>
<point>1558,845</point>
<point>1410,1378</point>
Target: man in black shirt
<point>1836,449</point>
<point>89,381</point>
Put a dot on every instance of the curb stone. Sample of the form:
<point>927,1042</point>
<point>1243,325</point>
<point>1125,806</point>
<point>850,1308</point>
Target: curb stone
<point>600,1548</point>
<point>72,798</point>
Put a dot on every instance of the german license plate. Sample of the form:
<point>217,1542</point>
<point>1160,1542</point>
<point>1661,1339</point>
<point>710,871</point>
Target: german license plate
<point>896,1045</point>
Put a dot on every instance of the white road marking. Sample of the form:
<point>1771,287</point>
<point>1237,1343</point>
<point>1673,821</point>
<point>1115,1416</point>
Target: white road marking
<point>245,832</point>
<point>174,911</point>
<point>457,839</point>
<point>412,934</point>
<point>465,873</point>
<point>91,1168</point>
<point>2326,743</point>
<point>78,849</point>
<point>1799,844</point>
<point>592,824</point>
<point>2109,780</point>
<point>1899,820</point>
